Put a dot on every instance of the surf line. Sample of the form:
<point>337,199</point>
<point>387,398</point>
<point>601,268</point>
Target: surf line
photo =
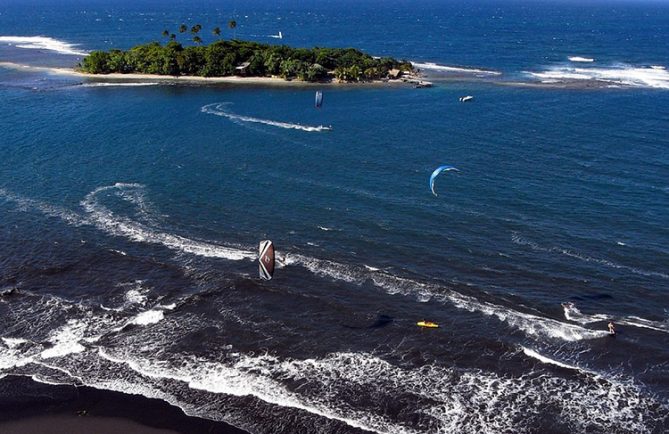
<point>218,109</point>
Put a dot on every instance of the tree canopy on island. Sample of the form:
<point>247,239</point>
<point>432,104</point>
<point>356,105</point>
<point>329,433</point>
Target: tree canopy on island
<point>222,58</point>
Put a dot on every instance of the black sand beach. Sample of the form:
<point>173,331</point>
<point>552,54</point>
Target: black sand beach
<point>29,407</point>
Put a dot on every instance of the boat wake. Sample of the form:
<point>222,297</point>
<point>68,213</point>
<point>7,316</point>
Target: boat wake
<point>43,43</point>
<point>220,109</point>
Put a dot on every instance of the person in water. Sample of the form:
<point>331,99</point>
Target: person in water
<point>612,328</point>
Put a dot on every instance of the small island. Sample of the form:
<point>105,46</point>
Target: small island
<point>235,58</point>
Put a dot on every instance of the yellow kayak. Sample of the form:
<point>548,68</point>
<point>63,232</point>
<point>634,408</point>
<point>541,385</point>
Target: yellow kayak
<point>428,324</point>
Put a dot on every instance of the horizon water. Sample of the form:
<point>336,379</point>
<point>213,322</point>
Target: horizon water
<point>131,214</point>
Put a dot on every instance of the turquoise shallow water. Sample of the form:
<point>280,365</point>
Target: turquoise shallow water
<point>131,215</point>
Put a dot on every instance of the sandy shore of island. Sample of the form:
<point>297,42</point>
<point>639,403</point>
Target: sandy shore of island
<point>264,81</point>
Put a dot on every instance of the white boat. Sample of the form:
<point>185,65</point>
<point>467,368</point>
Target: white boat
<point>466,98</point>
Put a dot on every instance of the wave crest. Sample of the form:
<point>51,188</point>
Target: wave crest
<point>43,43</point>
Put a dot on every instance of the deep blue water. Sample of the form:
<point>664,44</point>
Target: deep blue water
<point>131,217</point>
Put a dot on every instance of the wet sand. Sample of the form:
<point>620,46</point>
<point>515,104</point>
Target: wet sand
<point>30,407</point>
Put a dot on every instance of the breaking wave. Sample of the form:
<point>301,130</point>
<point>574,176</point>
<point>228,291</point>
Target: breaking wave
<point>110,84</point>
<point>455,69</point>
<point>435,398</point>
<point>101,217</point>
<point>219,109</point>
<point>110,223</point>
<point>43,43</point>
<point>619,75</point>
<point>581,59</point>
<point>530,324</point>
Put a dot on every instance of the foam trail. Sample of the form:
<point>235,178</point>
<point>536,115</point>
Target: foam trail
<point>517,239</point>
<point>444,68</point>
<point>218,110</point>
<point>636,321</point>
<point>572,313</point>
<point>622,75</point>
<point>581,59</point>
<point>43,43</point>
<point>543,359</point>
<point>49,210</point>
<point>105,220</point>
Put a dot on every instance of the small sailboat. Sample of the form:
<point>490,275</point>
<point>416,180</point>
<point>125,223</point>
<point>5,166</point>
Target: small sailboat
<point>466,98</point>
<point>277,36</point>
<point>319,99</point>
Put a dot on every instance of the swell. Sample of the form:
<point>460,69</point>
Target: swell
<point>106,220</point>
<point>518,239</point>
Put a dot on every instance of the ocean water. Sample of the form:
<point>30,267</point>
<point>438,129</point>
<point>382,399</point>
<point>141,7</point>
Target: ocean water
<point>131,213</point>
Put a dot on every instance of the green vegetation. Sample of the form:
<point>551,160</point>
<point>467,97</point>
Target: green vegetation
<point>221,58</point>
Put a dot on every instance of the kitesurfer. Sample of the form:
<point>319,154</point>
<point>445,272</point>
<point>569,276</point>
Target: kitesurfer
<point>612,328</point>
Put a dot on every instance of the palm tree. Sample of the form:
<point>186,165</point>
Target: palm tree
<point>195,29</point>
<point>166,33</point>
<point>182,28</point>
<point>217,31</point>
<point>197,40</point>
<point>233,24</point>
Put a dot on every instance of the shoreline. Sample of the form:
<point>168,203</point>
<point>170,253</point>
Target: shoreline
<point>265,81</point>
<point>28,406</point>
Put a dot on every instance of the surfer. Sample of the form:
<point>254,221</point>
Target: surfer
<point>612,328</point>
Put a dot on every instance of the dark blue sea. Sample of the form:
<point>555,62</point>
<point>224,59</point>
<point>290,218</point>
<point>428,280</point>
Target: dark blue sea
<point>130,216</point>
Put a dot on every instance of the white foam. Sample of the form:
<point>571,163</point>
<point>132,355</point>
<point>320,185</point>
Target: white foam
<point>325,228</point>
<point>218,109</point>
<point>517,239</point>
<point>111,84</point>
<point>581,59</point>
<point>532,325</point>
<point>107,221</point>
<point>148,317</point>
<point>43,43</point>
<point>136,294</point>
<point>572,313</point>
<point>635,321</point>
<point>444,395</point>
<point>548,360</point>
<point>66,340</point>
<point>46,209</point>
<point>446,68</point>
<point>13,342</point>
<point>621,75</point>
